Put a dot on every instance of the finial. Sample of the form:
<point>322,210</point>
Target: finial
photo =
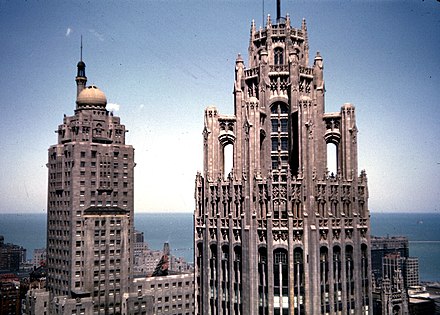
<point>81,53</point>
<point>304,25</point>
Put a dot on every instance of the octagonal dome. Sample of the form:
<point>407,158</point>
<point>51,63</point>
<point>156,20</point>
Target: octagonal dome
<point>91,95</point>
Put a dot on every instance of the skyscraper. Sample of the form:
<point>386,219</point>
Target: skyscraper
<point>279,233</point>
<point>90,205</point>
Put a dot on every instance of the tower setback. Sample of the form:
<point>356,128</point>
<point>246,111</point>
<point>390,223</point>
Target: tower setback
<point>279,233</point>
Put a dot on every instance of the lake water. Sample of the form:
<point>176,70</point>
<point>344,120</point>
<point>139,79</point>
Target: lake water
<point>422,230</point>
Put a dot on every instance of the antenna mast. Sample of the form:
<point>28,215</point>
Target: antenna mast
<point>81,54</point>
<point>278,10</point>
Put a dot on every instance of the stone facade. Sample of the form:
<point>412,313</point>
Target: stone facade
<point>90,206</point>
<point>279,233</point>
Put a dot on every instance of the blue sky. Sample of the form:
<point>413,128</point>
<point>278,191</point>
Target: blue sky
<point>163,62</point>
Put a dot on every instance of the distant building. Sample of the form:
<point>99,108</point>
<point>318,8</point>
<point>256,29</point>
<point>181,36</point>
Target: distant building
<point>411,271</point>
<point>279,233</point>
<point>39,257</point>
<point>381,246</point>
<point>10,298</point>
<point>394,272</point>
<point>11,256</point>
<point>423,301</point>
<point>138,237</point>
<point>147,260</point>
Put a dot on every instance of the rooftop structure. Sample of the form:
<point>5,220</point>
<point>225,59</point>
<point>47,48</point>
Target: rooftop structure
<point>279,233</point>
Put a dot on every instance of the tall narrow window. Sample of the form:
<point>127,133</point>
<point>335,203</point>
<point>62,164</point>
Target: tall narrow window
<point>278,56</point>
<point>199,293</point>
<point>228,156</point>
<point>323,257</point>
<point>298,281</point>
<point>280,283</point>
<point>225,280</point>
<point>237,280</point>
<point>213,279</point>
<point>332,159</point>
<point>279,135</point>
<point>262,282</point>
<point>364,276</point>
<point>349,268</point>
<point>337,279</point>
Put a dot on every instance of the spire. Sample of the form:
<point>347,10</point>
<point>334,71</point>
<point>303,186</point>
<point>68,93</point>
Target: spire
<point>81,78</point>
<point>81,53</point>
<point>253,30</point>
<point>278,10</point>
<point>306,41</point>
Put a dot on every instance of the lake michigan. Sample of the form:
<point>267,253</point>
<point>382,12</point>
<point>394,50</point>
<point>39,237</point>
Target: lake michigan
<point>422,230</point>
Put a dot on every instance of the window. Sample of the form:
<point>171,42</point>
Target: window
<point>280,282</point>
<point>278,56</point>
<point>279,135</point>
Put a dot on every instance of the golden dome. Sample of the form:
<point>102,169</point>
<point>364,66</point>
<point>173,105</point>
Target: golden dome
<point>91,95</point>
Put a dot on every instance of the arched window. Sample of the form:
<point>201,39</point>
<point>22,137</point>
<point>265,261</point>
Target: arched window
<point>200,275</point>
<point>349,269</point>
<point>213,279</point>
<point>298,281</point>
<point>262,282</point>
<point>237,280</point>
<point>279,117</point>
<point>364,276</point>
<point>324,268</point>
<point>278,56</point>
<point>332,159</point>
<point>225,278</point>
<point>280,282</point>
<point>337,269</point>
<point>228,156</point>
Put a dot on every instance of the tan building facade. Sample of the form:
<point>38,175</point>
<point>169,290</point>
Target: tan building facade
<point>279,233</point>
<point>90,205</point>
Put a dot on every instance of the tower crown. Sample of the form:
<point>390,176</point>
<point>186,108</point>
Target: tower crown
<point>91,97</point>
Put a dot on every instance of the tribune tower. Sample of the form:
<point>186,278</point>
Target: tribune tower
<point>279,233</point>
<point>90,207</point>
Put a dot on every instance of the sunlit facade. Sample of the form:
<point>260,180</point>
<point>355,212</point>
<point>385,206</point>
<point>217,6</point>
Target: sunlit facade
<point>287,229</point>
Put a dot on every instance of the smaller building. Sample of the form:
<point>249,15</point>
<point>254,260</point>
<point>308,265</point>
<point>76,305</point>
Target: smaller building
<point>146,260</point>
<point>11,256</point>
<point>36,302</point>
<point>39,257</point>
<point>10,297</point>
<point>171,295</point>
<point>411,274</point>
<point>382,246</point>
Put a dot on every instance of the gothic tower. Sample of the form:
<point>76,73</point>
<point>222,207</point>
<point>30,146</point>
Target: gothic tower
<point>279,233</point>
<point>90,207</point>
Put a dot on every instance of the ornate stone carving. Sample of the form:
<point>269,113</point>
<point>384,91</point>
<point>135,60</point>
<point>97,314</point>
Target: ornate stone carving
<point>262,235</point>
<point>212,234</point>
<point>336,234</point>
<point>297,235</point>
<point>323,234</point>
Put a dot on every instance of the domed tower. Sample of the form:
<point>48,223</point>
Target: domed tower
<point>90,207</point>
<point>279,233</point>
